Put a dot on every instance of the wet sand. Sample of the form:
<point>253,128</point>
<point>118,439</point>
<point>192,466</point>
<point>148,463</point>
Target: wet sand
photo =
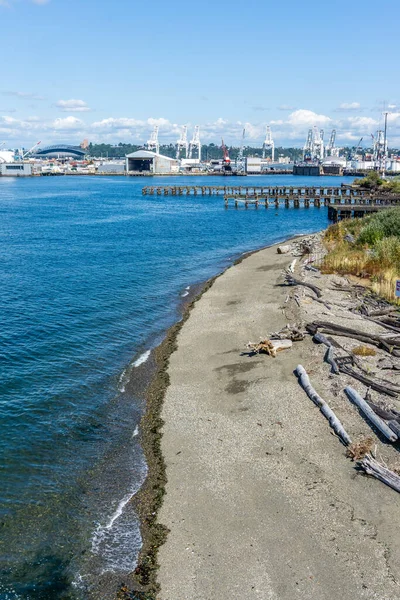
<point>260,501</point>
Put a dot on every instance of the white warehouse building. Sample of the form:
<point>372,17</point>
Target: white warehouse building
<point>144,161</point>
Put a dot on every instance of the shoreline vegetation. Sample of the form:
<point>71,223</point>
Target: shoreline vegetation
<point>368,249</point>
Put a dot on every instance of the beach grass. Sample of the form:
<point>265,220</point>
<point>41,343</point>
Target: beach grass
<point>368,248</point>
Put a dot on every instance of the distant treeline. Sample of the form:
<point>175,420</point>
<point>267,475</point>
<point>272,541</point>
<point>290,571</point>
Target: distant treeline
<point>208,151</point>
<point>212,151</point>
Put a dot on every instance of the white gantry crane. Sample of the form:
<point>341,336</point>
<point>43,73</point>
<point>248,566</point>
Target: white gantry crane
<point>269,144</point>
<point>240,162</point>
<point>308,146</point>
<point>182,143</point>
<point>379,150</point>
<point>318,144</point>
<point>153,143</point>
<point>195,143</point>
<point>332,149</point>
<point>313,149</point>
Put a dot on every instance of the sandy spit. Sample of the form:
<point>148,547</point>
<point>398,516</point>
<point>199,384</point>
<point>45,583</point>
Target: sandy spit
<point>261,502</point>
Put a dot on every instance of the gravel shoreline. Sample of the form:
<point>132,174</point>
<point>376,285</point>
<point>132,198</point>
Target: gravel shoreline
<point>260,500</point>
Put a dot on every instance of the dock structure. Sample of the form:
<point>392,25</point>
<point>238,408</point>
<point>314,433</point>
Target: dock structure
<point>270,192</point>
<point>354,211</point>
<point>343,201</point>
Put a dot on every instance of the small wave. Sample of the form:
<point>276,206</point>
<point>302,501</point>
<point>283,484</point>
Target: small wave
<point>135,431</point>
<point>118,541</point>
<point>187,288</point>
<point>122,381</point>
<point>142,358</point>
<point>184,294</point>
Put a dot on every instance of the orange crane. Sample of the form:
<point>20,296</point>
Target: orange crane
<point>226,163</point>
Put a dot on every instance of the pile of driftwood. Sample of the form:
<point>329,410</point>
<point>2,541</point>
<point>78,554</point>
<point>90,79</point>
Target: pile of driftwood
<point>385,420</point>
<point>368,463</point>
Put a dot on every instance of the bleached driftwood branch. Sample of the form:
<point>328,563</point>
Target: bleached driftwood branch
<point>370,414</point>
<point>323,406</point>
<point>374,468</point>
<point>330,353</point>
<point>292,281</point>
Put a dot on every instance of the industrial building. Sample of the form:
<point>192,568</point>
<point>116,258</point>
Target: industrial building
<point>144,161</point>
<point>15,169</point>
<point>112,168</point>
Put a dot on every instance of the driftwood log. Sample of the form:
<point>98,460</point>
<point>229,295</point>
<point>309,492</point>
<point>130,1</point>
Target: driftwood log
<point>389,390</point>
<point>330,353</point>
<point>391,417</point>
<point>323,406</point>
<point>391,345</point>
<point>292,281</point>
<point>374,468</point>
<point>283,249</point>
<point>370,414</point>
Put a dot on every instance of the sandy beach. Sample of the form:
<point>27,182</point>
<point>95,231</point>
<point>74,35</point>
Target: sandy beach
<point>261,502</point>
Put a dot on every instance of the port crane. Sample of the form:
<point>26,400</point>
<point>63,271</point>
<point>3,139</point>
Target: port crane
<point>318,144</point>
<point>379,148</point>
<point>195,143</point>
<point>240,159</point>
<point>226,162</point>
<point>20,155</point>
<point>269,144</point>
<point>182,143</point>
<point>153,143</point>
<point>314,147</point>
<point>308,147</point>
<point>356,149</point>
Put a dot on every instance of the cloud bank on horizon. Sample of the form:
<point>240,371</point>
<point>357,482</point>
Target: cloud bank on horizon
<point>288,131</point>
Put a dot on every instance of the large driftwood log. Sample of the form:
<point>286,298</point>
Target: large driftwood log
<point>383,324</point>
<point>323,406</point>
<point>292,281</point>
<point>389,390</point>
<point>372,467</point>
<point>391,345</point>
<point>370,414</point>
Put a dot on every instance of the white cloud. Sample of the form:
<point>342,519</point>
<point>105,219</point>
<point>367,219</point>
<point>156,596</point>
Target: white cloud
<point>349,106</point>
<point>40,1</point>
<point>69,123</point>
<point>362,122</point>
<point>286,107</point>
<point>307,118</point>
<point>289,131</point>
<point>72,105</point>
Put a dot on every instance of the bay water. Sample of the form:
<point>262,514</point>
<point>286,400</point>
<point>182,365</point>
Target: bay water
<point>92,274</point>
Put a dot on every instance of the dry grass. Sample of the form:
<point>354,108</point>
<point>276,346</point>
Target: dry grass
<point>357,450</point>
<point>364,351</point>
<point>377,261</point>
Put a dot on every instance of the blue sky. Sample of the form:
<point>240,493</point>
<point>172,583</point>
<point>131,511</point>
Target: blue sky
<point>109,71</point>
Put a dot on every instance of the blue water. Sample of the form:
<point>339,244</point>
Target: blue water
<point>91,275</point>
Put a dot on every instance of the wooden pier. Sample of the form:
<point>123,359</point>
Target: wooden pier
<point>343,201</point>
<point>322,193</point>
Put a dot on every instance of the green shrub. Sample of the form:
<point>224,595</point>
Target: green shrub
<point>371,234</point>
<point>387,252</point>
